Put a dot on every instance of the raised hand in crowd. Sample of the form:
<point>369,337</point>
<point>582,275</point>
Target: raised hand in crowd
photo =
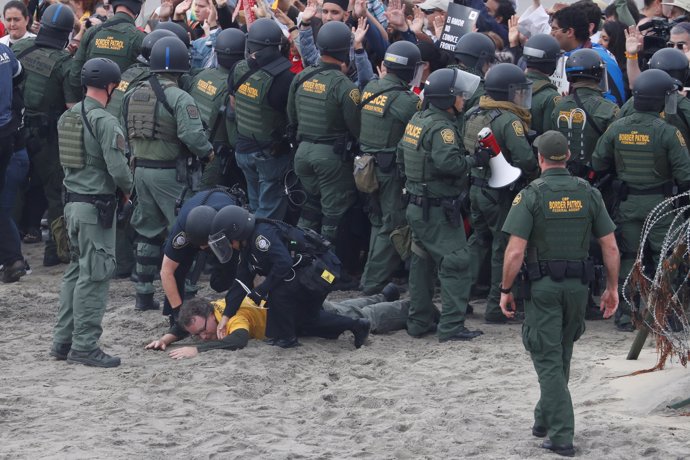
<point>181,9</point>
<point>396,16</point>
<point>438,23</point>
<point>310,11</point>
<point>360,32</point>
<point>360,9</point>
<point>513,32</point>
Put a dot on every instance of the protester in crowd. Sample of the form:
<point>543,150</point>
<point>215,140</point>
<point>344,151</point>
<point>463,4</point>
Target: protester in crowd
<point>16,16</point>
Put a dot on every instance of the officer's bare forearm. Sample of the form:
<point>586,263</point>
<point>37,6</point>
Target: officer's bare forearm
<point>609,252</point>
<point>512,260</point>
<point>168,282</point>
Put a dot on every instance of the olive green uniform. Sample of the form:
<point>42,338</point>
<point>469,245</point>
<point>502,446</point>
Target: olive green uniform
<point>600,114</point>
<point>325,109</point>
<point>117,39</point>
<point>85,284</point>
<point>557,214</point>
<point>432,158</point>
<point>209,88</point>
<point>46,90</point>
<point>157,149</point>
<point>680,120</point>
<point>544,98</point>
<point>384,119</point>
<point>647,154</point>
<point>383,316</point>
<point>490,206</point>
<point>130,80</point>
<point>473,100</point>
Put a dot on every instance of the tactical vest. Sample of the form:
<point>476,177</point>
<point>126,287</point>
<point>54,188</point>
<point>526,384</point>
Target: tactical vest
<point>539,85</point>
<point>113,40</point>
<point>562,229</point>
<point>42,93</point>
<point>73,153</point>
<point>256,119</point>
<point>129,79</point>
<point>319,116</point>
<point>577,139</point>
<point>210,91</point>
<point>476,120</point>
<point>142,118</point>
<point>640,159</point>
<point>418,166</point>
<point>380,131</point>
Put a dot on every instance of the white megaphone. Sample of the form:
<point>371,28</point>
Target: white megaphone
<point>502,172</point>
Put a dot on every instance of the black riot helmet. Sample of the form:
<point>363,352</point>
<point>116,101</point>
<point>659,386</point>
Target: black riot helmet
<point>169,55</point>
<point>198,224</point>
<point>230,47</point>
<point>507,82</point>
<point>655,90</point>
<point>264,33</point>
<point>473,50</point>
<point>672,61</point>
<point>176,29</point>
<point>132,5</point>
<point>231,223</point>
<point>444,85</point>
<point>585,64</point>
<point>149,41</point>
<point>99,73</point>
<point>334,40</point>
<point>541,52</point>
<point>403,59</point>
<point>56,25</point>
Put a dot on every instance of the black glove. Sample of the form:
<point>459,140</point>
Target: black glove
<point>482,157</point>
<point>256,297</point>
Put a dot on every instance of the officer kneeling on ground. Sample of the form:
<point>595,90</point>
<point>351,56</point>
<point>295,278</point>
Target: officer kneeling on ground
<point>553,219</point>
<point>299,267</point>
<point>189,236</point>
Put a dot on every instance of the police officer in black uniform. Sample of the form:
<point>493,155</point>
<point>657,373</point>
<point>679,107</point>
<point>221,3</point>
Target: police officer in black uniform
<point>299,267</point>
<point>259,86</point>
<point>189,236</point>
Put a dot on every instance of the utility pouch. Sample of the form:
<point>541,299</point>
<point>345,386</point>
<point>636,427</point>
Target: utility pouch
<point>523,289</point>
<point>106,212</point>
<point>533,271</point>
<point>401,238</point>
<point>598,285</point>
<point>623,191</point>
<point>557,269</point>
<point>669,189</point>
<point>181,169</point>
<point>453,210</point>
<point>587,272</point>
<point>385,162</point>
<point>365,174</point>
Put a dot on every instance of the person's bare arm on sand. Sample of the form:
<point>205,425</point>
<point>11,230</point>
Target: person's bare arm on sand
<point>163,342</point>
<point>237,340</point>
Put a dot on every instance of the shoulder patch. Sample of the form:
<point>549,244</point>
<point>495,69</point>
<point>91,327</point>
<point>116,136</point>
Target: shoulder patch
<point>448,136</point>
<point>262,243</point>
<point>517,199</point>
<point>517,127</point>
<point>193,112</point>
<point>180,240</point>
<point>680,137</point>
<point>557,99</point>
<point>356,96</point>
<point>419,105</point>
<point>120,142</point>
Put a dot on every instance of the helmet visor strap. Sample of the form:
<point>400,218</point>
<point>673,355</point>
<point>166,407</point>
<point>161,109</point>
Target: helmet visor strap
<point>221,246</point>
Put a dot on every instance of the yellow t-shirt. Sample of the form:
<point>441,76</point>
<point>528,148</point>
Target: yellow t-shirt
<point>248,316</point>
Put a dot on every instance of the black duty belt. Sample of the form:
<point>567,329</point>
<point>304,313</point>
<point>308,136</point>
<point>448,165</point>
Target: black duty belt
<point>482,183</point>
<point>660,190</point>
<point>79,198</point>
<point>419,200</point>
<point>560,269</point>
<point>314,141</point>
<point>155,164</point>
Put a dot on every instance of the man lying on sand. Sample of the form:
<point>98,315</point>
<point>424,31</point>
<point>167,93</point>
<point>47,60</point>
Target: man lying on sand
<point>199,317</point>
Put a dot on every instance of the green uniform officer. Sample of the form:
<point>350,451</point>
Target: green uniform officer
<point>505,109</point>
<point>387,106</point>
<point>552,220</point>
<point>324,105</point>
<point>47,92</point>
<point>674,62</point>
<point>209,88</point>
<point>433,160</point>
<point>586,72</point>
<point>648,154</point>
<point>92,153</point>
<point>117,39</point>
<point>541,54</point>
<point>165,133</point>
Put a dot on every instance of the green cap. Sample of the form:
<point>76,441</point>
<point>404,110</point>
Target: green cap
<point>552,145</point>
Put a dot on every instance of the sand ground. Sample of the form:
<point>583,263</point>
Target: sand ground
<point>396,398</point>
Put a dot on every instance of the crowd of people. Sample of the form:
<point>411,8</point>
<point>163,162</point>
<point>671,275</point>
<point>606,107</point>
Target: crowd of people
<point>298,148</point>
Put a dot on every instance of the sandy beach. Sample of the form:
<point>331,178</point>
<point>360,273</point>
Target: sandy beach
<point>396,398</point>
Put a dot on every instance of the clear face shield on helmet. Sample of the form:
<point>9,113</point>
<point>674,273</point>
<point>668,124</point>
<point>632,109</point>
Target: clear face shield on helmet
<point>671,100</point>
<point>521,94</point>
<point>221,246</point>
<point>465,84</point>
